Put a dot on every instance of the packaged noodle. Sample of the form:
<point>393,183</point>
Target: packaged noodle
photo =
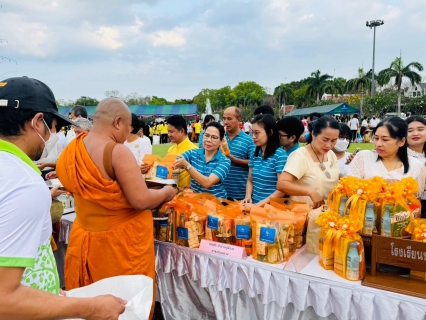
<point>271,237</point>
<point>243,233</point>
<point>328,222</point>
<point>167,162</point>
<point>346,241</point>
<point>152,161</point>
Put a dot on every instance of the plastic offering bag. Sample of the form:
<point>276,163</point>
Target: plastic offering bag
<point>312,235</point>
<point>136,289</point>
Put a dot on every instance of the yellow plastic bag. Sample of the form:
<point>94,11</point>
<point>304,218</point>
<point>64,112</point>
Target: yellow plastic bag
<point>328,222</point>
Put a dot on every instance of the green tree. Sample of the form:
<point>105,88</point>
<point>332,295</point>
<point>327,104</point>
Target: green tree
<point>335,86</point>
<point>158,101</point>
<point>135,99</point>
<point>316,83</point>
<point>283,94</point>
<point>360,84</point>
<point>381,103</point>
<point>398,71</point>
<point>218,101</point>
<point>248,93</point>
<point>183,101</point>
<point>301,98</point>
<point>86,101</point>
<point>201,98</point>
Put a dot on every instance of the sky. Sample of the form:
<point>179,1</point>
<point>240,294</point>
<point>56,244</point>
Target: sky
<point>175,48</point>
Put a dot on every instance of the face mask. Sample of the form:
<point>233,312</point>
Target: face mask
<point>50,143</point>
<point>341,145</point>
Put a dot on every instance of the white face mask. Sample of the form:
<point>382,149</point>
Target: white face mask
<point>341,145</point>
<point>50,143</point>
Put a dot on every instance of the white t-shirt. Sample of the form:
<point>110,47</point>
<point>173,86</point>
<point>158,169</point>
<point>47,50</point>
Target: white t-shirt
<point>62,139</point>
<point>70,135</point>
<point>342,164</point>
<point>247,126</point>
<point>51,152</point>
<point>364,123</point>
<point>309,173</point>
<point>374,122</point>
<point>140,147</point>
<point>422,158</point>
<point>353,124</point>
<point>25,224</point>
<point>366,166</point>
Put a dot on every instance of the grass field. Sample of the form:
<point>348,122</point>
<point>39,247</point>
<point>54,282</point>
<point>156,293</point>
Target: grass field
<point>161,149</point>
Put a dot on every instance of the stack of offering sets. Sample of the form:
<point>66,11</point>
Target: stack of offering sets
<point>359,207</point>
<point>270,234</point>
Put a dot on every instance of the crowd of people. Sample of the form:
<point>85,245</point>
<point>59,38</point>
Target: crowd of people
<point>101,164</point>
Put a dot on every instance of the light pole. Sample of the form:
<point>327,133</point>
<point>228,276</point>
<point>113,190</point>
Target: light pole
<point>373,24</point>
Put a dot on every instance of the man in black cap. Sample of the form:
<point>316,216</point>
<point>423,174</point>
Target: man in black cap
<point>29,283</point>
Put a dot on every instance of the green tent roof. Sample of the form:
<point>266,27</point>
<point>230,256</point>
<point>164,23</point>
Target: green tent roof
<point>339,108</point>
<point>148,111</point>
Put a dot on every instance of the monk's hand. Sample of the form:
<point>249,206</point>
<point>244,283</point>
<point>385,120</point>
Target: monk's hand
<point>51,175</point>
<point>107,307</point>
<point>145,168</point>
<point>170,193</point>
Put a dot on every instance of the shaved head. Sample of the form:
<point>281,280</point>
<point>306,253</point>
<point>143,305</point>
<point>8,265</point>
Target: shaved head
<point>109,109</point>
<point>234,110</point>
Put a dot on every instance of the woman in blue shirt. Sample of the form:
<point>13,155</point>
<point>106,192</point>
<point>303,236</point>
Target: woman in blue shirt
<point>267,162</point>
<point>208,167</point>
<point>207,119</point>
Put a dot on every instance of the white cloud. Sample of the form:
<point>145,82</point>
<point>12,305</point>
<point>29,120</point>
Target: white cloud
<point>307,16</point>
<point>108,38</point>
<point>173,38</point>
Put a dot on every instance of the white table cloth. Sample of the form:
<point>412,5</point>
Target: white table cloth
<point>197,285</point>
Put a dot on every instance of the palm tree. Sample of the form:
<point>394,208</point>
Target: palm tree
<point>360,84</point>
<point>316,83</point>
<point>398,71</point>
<point>282,93</point>
<point>335,86</point>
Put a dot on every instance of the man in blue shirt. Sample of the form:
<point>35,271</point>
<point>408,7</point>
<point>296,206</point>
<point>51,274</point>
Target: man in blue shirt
<point>289,131</point>
<point>242,147</point>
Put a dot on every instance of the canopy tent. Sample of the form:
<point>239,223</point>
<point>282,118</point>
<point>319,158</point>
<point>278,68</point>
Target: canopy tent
<point>339,108</point>
<point>187,110</point>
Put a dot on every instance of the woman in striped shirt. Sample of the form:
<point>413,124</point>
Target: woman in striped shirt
<point>266,164</point>
<point>208,167</point>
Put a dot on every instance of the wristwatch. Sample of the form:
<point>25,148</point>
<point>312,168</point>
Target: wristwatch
<point>188,167</point>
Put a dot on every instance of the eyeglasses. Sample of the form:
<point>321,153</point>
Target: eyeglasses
<point>213,138</point>
<point>256,133</point>
<point>283,135</point>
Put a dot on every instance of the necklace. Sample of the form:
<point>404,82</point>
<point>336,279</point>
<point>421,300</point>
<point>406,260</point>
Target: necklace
<point>322,165</point>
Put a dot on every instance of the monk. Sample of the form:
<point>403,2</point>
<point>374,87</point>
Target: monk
<point>113,231</point>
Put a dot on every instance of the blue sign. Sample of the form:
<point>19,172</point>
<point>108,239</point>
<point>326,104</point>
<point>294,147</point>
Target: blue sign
<point>213,223</point>
<point>243,232</point>
<point>267,235</point>
<point>182,233</point>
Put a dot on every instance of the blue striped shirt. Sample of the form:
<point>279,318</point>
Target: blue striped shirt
<point>218,165</point>
<point>241,147</point>
<point>200,139</point>
<point>264,173</point>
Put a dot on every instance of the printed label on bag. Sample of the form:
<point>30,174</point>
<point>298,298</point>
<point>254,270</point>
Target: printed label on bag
<point>267,235</point>
<point>182,233</point>
<point>243,232</point>
<point>213,222</point>
<point>162,172</point>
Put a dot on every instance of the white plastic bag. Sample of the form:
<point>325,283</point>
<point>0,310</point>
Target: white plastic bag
<point>313,231</point>
<point>136,289</point>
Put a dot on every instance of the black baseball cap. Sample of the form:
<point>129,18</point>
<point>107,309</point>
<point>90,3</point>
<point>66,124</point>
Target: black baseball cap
<point>23,93</point>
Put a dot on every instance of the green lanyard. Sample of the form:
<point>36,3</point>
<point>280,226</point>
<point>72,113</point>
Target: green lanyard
<point>11,148</point>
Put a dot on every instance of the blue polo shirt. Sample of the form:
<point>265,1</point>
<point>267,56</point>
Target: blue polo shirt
<point>295,147</point>
<point>241,147</point>
<point>218,165</point>
<point>200,139</point>
<point>264,173</point>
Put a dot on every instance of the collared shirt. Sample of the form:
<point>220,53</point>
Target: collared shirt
<point>197,128</point>
<point>179,149</point>
<point>25,221</point>
<point>241,147</point>
<point>265,173</point>
<point>219,165</point>
<point>294,148</point>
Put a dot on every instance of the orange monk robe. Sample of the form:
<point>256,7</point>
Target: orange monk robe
<point>108,237</point>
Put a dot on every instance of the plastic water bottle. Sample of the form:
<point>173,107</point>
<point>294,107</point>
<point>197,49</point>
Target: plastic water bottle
<point>343,201</point>
<point>386,223</point>
<point>369,219</point>
<point>352,262</point>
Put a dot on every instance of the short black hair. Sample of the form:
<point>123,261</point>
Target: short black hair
<point>264,109</point>
<point>219,127</point>
<point>267,122</point>
<point>207,119</point>
<point>321,124</point>
<point>135,124</point>
<point>345,131</point>
<point>12,121</point>
<point>418,119</point>
<point>79,111</point>
<point>315,115</point>
<point>292,126</point>
<point>178,122</point>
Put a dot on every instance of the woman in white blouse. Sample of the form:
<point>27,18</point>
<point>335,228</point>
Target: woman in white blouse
<point>390,159</point>
<point>417,145</point>
<point>139,144</point>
